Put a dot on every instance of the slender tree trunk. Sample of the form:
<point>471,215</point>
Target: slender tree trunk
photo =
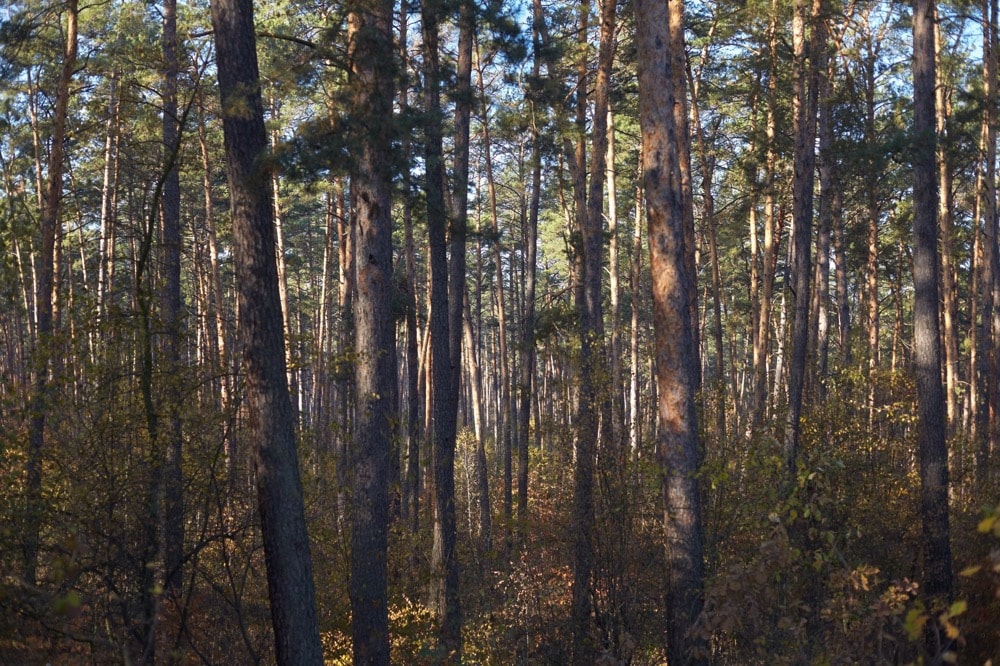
<point>828,187</point>
<point>804,109</point>
<point>279,489</point>
<point>987,344</point>
<point>946,223</point>
<point>933,450</point>
<point>614,285</point>
<point>675,351</point>
<point>772,235</point>
<point>635,413</point>
<point>172,518</point>
<point>708,220</point>
<point>528,363</point>
<point>38,404</point>
<point>109,187</point>
<point>505,409</point>
<point>588,303</point>
<point>444,558</point>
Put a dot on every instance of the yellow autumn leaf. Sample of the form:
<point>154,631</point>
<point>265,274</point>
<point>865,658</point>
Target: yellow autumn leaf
<point>951,630</point>
<point>970,571</point>
<point>986,524</point>
<point>958,608</point>
<point>914,623</point>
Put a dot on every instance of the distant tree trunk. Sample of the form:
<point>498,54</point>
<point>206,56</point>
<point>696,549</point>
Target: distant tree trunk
<point>38,404</point>
<point>528,363</point>
<point>926,340</point>
<point>828,186</point>
<point>804,109</point>
<point>772,234</point>
<point>506,401</point>
<point>411,482</point>
<point>675,352</point>
<point>369,39</point>
<point>279,489</point>
<point>707,162</point>
<point>617,397</point>
<point>109,187</point>
<point>481,472</point>
<point>946,223</point>
<point>635,412</point>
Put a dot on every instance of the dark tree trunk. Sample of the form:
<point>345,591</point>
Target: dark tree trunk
<point>271,425</point>
<point>371,82</point>
<point>444,557</point>
<point>927,342</point>
<point>49,221</point>
<point>172,509</point>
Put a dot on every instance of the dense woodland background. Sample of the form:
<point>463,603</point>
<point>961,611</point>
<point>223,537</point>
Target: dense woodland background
<point>487,383</point>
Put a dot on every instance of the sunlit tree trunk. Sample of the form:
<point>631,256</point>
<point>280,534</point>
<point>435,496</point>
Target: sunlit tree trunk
<point>675,351</point>
<point>804,110</point>
<point>772,235</point>
<point>949,314</point>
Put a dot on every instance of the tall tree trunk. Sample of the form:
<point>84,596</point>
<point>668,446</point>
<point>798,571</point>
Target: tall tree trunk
<point>635,412</point>
<point>506,403</point>
<point>369,38</point>
<point>38,405</point>
<point>617,396</point>
<point>172,518</point>
<point>272,430</point>
<point>946,223</point>
<point>804,109</point>
<point>707,162</point>
<point>828,186</point>
<point>528,355</point>
<point>444,558</point>
<point>411,479</point>
<point>587,213</point>
<point>987,344</point>
<point>926,340</point>
<point>772,235</point>
<point>675,351</point>
<point>109,188</point>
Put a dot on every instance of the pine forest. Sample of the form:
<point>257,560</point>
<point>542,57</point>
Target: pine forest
<point>499,332</point>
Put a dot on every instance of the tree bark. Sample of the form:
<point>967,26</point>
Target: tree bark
<point>675,351</point>
<point>444,558</point>
<point>38,404</point>
<point>933,449</point>
<point>271,426</point>
<point>804,109</point>
<point>371,83</point>
<point>171,304</point>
